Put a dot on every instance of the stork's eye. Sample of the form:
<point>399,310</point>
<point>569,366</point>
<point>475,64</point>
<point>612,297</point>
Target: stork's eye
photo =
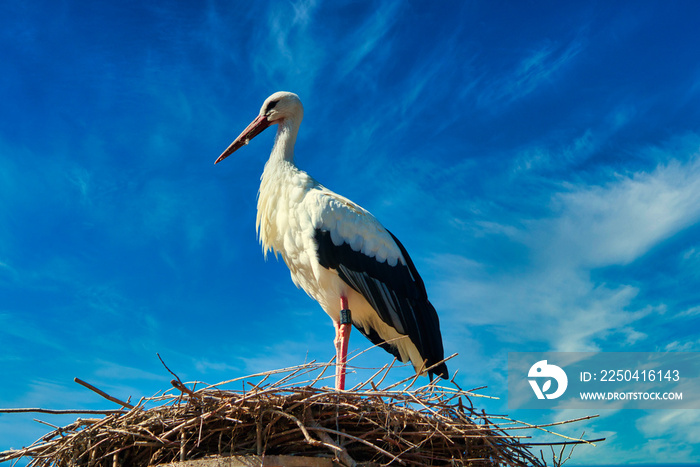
<point>270,106</point>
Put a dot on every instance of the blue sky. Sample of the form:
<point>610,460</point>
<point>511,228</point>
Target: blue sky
<point>540,161</point>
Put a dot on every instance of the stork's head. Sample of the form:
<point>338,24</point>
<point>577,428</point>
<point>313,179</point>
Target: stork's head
<point>279,107</point>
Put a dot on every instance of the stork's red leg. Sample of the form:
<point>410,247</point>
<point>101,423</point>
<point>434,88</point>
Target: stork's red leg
<point>342,338</point>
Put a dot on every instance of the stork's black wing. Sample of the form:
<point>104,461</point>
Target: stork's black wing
<point>397,293</point>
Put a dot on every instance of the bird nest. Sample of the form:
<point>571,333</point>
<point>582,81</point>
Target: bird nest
<point>284,412</point>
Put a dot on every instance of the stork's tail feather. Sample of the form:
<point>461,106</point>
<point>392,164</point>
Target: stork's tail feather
<point>430,339</point>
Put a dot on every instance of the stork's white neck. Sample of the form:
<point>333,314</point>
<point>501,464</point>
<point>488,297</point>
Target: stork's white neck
<point>283,149</point>
<point>282,185</point>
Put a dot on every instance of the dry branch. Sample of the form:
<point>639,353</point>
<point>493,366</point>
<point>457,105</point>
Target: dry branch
<point>103,394</point>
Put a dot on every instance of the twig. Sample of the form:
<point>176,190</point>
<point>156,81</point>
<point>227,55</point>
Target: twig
<point>341,453</point>
<point>62,411</point>
<point>177,382</point>
<point>567,443</point>
<point>103,394</point>
<point>360,440</point>
<point>412,376</point>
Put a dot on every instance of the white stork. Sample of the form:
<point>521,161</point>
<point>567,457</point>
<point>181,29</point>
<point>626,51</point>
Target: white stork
<point>339,253</point>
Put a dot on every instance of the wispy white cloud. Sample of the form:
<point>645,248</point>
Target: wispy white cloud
<point>617,222</point>
<point>692,311</point>
<point>552,298</point>
<point>114,371</point>
<point>286,51</point>
<point>7,272</point>
<point>560,309</point>
<point>80,178</point>
<point>548,157</point>
<point>281,354</point>
<point>369,39</point>
<point>537,68</point>
<point>540,158</point>
<point>682,346</point>
<point>681,426</point>
<point>551,156</point>
<point>205,365</point>
<point>26,329</point>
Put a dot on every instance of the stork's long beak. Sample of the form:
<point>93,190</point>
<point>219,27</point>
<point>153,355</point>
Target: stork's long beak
<point>254,129</point>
